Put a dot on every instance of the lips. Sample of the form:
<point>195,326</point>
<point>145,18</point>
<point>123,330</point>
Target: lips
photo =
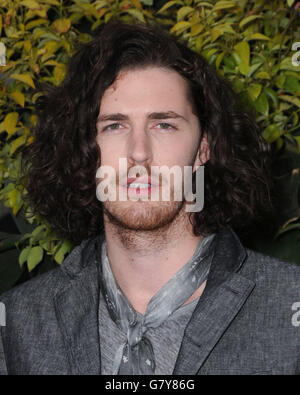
<point>142,180</point>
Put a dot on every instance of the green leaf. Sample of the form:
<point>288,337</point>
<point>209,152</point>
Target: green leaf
<point>215,34</point>
<point>183,12</point>
<point>280,80</point>
<point>287,64</point>
<point>258,36</point>
<point>291,84</point>
<point>62,25</point>
<point>208,53</point>
<point>36,22</point>
<point>263,75</point>
<point>291,99</point>
<point>88,8</point>
<point>35,256</point>
<point>18,97</point>
<point>24,255</point>
<point>62,251</point>
<point>272,133</point>
<point>18,142</point>
<point>242,49</point>
<point>272,95</point>
<point>205,4</point>
<point>226,28</point>
<point>254,91</point>
<point>26,78</point>
<point>10,122</point>
<point>179,27</point>
<point>295,118</point>
<point>288,226</point>
<point>136,14</point>
<point>197,29</point>
<point>37,234</point>
<point>254,67</point>
<point>33,5</point>
<point>4,191</point>
<point>248,19</point>
<point>262,104</point>
<point>168,5</point>
<point>15,201</point>
<point>59,73</point>
<point>52,2</point>
<point>219,59</point>
<point>222,5</point>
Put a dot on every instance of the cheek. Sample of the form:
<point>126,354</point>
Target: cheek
<point>180,153</point>
<point>186,153</point>
<point>110,153</point>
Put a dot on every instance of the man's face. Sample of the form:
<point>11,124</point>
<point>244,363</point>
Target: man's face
<point>146,117</point>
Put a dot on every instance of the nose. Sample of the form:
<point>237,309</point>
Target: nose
<point>139,148</point>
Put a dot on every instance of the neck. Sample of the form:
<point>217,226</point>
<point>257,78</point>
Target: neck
<point>144,261</point>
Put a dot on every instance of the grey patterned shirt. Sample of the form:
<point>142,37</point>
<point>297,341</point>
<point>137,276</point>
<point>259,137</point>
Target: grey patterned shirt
<point>166,339</point>
<point>163,319</point>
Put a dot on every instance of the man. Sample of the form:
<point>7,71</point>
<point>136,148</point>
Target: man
<point>153,287</point>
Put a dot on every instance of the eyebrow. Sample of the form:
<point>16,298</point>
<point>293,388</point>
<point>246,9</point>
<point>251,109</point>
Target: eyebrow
<point>153,115</point>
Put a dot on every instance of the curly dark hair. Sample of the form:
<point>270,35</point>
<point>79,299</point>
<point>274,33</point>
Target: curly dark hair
<point>60,165</point>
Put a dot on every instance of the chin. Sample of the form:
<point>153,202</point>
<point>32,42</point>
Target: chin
<point>142,216</point>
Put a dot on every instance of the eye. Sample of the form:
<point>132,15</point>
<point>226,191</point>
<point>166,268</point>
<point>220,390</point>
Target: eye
<point>166,126</point>
<point>112,126</point>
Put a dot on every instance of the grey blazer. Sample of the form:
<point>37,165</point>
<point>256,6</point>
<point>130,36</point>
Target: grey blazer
<point>246,321</point>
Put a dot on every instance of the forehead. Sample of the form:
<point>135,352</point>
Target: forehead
<point>147,88</point>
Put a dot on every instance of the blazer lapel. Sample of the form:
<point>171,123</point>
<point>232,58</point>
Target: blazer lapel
<point>77,314</point>
<point>224,295</point>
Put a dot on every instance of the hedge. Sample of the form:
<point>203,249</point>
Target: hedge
<point>251,43</point>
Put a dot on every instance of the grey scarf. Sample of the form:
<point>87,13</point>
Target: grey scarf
<point>136,356</point>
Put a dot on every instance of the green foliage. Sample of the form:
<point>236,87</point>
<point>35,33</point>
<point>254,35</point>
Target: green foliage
<point>248,42</point>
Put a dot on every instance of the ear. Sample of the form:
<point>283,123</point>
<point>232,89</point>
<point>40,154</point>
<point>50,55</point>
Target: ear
<point>203,153</point>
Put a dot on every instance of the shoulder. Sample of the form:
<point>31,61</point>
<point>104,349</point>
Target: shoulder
<point>39,288</point>
<point>268,265</point>
<point>44,287</point>
<point>272,274</point>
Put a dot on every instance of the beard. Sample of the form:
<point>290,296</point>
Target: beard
<point>140,224</point>
<point>142,215</point>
